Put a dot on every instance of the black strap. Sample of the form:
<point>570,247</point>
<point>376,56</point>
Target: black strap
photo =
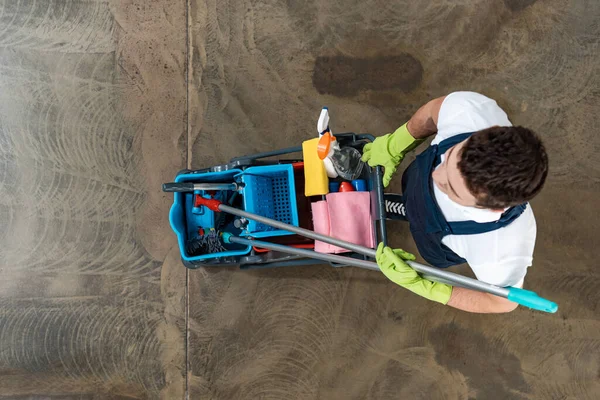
<point>444,145</point>
<point>394,207</point>
<point>473,228</point>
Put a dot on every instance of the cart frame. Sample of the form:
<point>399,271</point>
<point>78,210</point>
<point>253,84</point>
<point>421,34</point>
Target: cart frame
<point>275,259</point>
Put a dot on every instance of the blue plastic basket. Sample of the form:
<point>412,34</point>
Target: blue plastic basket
<point>269,191</point>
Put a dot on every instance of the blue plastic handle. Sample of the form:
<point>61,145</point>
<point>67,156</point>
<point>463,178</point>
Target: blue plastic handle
<point>530,299</point>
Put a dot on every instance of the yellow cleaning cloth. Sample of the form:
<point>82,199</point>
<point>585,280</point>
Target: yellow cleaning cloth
<point>315,177</point>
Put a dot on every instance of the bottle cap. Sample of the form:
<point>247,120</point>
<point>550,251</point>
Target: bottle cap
<point>360,185</point>
<point>334,187</point>
<point>324,145</point>
<point>346,187</point>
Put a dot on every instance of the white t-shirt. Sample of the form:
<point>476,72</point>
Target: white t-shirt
<point>500,257</point>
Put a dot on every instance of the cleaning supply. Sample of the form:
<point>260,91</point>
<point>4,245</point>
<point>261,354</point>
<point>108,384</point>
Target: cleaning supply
<point>346,187</point>
<point>394,267</point>
<point>195,245</point>
<point>205,243</point>
<point>389,150</point>
<point>315,176</point>
<point>320,213</point>
<point>323,122</point>
<point>345,216</point>
<point>360,185</point>
<point>322,128</point>
<point>213,241</point>
<point>346,160</point>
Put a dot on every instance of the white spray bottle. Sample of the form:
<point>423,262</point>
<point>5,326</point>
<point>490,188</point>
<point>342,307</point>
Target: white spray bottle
<point>322,128</point>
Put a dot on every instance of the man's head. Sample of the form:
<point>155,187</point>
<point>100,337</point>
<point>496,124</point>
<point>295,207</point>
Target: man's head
<point>495,168</point>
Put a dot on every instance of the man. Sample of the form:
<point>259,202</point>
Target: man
<point>465,197</point>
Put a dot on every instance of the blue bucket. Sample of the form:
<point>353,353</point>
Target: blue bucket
<point>184,222</point>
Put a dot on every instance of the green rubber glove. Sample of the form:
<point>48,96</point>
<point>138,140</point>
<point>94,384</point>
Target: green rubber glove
<point>389,150</point>
<point>393,265</point>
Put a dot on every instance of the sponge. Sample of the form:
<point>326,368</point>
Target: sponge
<point>315,177</point>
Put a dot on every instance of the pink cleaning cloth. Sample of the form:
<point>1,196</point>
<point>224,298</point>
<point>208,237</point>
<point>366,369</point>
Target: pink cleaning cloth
<point>346,216</point>
<point>320,214</point>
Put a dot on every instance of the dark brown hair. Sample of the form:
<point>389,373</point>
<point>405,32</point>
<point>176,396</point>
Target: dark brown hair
<point>504,166</point>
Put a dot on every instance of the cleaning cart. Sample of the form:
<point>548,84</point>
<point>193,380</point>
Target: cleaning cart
<point>252,212</point>
<point>269,184</point>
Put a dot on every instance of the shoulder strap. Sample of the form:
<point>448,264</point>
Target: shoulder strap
<point>445,144</point>
<point>473,228</point>
<point>452,140</point>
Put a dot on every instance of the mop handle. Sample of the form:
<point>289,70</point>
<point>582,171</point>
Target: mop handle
<point>192,187</point>
<point>524,297</point>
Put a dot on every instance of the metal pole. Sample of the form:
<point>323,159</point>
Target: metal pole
<point>441,276</point>
<point>191,187</point>
<point>444,276</point>
<point>289,150</point>
<point>300,231</point>
<point>432,273</point>
<point>304,253</point>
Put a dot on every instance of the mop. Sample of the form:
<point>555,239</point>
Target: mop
<point>520,296</point>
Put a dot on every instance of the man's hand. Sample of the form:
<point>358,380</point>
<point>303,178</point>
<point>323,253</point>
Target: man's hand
<point>393,265</point>
<point>389,150</point>
<point>377,153</point>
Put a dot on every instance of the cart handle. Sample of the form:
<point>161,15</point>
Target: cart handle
<point>192,187</point>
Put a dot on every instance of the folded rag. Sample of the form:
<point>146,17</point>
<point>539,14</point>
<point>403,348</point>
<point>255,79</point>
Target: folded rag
<point>345,216</point>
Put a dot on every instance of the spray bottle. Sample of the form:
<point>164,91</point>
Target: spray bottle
<point>322,128</point>
<point>343,162</point>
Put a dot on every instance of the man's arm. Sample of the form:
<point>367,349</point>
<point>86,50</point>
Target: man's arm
<point>393,264</point>
<point>478,302</point>
<point>389,150</point>
<point>424,122</point>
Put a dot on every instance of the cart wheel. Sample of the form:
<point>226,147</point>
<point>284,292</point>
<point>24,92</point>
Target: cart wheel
<point>189,265</point>
<point>183,171</point>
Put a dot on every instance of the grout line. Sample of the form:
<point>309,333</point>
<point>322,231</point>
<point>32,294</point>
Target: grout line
<point>187,334</point>
<point>188,70</point>
<point>188,162</point>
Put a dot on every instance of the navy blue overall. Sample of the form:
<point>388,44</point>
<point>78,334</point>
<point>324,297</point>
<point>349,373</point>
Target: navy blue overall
<point>427,223</point>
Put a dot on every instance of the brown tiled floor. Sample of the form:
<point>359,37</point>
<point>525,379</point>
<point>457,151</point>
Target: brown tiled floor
<point>92,120</point>
<point>101,102</point>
